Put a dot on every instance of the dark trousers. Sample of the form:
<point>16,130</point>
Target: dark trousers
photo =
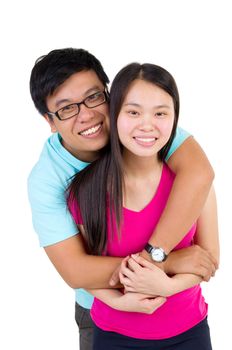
<point>85,325</point>
<point>196,338</point>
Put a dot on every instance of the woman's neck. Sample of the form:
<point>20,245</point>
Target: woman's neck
<point>140,167</point>
<point>141,177</point>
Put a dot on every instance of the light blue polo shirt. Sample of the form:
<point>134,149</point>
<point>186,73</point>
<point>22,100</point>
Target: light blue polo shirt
<point>47,183</point>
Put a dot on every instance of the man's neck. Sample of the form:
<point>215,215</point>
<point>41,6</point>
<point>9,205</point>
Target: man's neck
<point>84,156</point>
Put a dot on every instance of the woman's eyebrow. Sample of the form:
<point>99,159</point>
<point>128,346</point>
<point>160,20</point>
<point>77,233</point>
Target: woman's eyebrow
<point>138,105</point>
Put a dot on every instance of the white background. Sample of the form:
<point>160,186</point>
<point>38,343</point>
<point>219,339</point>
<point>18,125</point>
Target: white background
<point>192,39</point>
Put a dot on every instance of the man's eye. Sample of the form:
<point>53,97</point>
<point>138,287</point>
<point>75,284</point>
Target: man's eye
<point>94,97</point>
<point>68,108</point>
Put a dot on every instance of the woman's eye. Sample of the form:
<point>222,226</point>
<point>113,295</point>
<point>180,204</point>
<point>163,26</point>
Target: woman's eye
<point>133,113</point>
<point>160,114</point>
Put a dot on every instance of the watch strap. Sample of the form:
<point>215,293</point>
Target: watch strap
<point>148,248</point>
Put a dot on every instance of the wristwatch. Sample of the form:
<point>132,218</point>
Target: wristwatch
<point>157,254</point>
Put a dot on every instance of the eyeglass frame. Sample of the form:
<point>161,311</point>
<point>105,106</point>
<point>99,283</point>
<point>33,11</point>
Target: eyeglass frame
<point>56,114</point>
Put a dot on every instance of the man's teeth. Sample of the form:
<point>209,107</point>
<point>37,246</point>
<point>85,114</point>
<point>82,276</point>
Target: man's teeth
<point>91,130</point>
<point>146,139</point>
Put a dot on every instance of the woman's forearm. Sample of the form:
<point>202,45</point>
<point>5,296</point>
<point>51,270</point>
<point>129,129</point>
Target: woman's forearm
<point>110,297</point>
<point>140,276</point>
<point>181,282</point>
<point>129,302</point>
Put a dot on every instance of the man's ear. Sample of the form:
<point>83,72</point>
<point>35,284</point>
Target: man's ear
<point>50,122</point>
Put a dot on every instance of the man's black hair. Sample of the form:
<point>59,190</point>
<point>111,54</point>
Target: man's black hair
<point>51,70</point>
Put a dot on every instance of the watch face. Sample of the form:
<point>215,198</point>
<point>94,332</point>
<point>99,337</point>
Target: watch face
<point>157,254</point>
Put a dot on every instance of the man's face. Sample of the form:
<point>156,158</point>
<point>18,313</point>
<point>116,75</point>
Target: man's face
<point>86,133</point>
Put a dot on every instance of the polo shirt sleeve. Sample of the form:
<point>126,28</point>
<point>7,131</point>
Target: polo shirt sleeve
<point>50,216</point>
<point>180,137</point>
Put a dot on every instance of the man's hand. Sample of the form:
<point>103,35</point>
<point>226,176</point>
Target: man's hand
<point>136,302</point>
<point>194,259</point>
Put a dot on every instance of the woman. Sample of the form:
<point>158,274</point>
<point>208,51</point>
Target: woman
<point>131,184</point>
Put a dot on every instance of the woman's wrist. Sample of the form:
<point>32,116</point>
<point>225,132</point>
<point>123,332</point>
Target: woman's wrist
<point>116,300</point>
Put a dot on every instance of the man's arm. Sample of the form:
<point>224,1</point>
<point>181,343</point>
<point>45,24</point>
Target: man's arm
<point>194,259</point>
<point>194,176</point>
<point>58,235</point>
<point>139,275</point>
<point>77,268</point>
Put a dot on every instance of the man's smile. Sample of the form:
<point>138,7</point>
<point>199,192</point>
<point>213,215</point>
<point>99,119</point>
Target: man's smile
<point>92,130</point>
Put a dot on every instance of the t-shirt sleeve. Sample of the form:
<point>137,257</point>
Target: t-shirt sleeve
<point>180,137</point>
<point>50,216</point>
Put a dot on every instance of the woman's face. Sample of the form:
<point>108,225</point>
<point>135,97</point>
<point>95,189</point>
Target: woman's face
<point>146,119</point>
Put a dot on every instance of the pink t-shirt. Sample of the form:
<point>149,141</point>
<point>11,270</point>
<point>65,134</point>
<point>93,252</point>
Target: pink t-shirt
<point>182,310</point>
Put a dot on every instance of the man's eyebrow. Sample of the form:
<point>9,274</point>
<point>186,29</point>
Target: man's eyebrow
<point>60,102</point>
<point>85,94</point>
<point>93,89</point>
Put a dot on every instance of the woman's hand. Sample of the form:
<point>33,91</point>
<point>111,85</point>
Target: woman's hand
<point>137,302</point>
<point>139,275</point>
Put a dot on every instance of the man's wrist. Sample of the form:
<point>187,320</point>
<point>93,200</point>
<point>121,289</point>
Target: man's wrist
<point>165,245</point>
<point>157,254</point>
<point>146,255</point>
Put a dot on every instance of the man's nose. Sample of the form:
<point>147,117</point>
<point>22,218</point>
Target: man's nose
<point>85,114</point>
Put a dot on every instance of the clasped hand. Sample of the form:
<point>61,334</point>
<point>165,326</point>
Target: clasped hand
<point>139,275</point>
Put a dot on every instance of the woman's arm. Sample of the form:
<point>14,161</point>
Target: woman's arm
<point>130,302</point>
<point>139,275</point>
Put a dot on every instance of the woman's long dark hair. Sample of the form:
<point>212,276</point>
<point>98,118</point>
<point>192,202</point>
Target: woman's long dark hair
<point>100,185</point>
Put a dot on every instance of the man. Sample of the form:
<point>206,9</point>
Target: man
<point>69,88</point>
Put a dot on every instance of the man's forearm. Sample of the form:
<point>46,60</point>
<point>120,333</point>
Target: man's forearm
<point>95,272</point>
<point>77,268</point>
<point>182,210</point>
<point>194,176</point>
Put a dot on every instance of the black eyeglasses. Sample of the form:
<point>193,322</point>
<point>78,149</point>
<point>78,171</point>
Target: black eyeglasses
<point>91,101</point>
